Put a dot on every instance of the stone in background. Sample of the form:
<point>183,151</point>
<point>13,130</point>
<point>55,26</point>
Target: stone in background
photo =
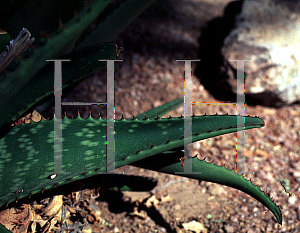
<point>266,31</point>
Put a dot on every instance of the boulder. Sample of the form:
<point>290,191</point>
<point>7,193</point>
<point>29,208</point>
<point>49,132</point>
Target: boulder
<point>268,33</point>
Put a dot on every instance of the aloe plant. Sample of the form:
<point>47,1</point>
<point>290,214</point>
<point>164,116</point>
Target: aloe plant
<point>147,140</point>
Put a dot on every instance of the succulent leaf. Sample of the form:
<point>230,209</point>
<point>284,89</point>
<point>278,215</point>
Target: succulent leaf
<point>83,63</point>
<point>49,48</point>
<point>168,162</point>
<point>27,150</point>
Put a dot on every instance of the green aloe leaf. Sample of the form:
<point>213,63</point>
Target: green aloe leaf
<point>169,162</point>
<point>84,152</point>
<point>83,63</point>
<point>27,150</point>
<point>47,48</point>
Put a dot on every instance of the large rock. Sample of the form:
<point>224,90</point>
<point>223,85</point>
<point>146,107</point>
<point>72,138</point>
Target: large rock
<point>266,31</point>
